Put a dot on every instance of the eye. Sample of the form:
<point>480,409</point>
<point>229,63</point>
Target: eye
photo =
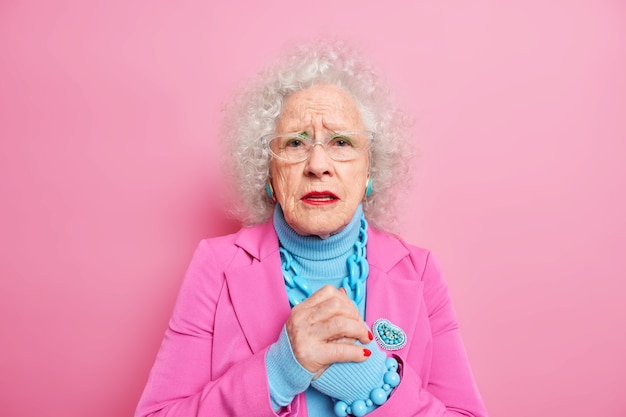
<point>296,141</point>
<point>293,143</point>
<point>341,141</point>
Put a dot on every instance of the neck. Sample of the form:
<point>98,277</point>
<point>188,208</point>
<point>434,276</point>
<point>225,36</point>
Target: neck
<point>312,247</point>
<point>308,263</point>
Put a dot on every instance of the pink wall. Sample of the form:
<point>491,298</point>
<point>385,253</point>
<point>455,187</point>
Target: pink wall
<point>108,178</point>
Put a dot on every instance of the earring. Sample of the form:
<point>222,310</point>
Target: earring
<point>368,187</point>
<point>270,191</point>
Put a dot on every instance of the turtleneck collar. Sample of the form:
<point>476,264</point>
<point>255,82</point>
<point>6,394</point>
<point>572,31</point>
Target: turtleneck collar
<point>313,247</point>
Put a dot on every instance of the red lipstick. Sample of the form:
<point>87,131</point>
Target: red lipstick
<point>319,198</point>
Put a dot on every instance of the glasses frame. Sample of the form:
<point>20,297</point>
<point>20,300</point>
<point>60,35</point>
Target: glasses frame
<point>266,139</point>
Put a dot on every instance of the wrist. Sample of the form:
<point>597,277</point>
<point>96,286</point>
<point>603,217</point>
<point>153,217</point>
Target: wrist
<point>286,376</point>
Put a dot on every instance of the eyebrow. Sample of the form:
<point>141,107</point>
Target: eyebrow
<point>330,125</point>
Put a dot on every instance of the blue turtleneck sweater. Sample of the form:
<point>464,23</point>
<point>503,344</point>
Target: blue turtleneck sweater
<point>321,262</point>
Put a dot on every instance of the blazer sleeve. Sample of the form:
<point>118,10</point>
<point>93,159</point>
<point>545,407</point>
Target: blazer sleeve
<point>450,389</point>
<point>180,381</point>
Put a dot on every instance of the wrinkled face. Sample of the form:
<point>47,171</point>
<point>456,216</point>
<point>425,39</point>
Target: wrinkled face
<point>319,196</point>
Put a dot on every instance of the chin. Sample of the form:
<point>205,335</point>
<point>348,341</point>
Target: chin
<point>322,224</point>
<point>314,232</point>
<point>322,232</point>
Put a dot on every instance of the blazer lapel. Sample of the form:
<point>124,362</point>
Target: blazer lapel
<point>393,292</point>
<point>257,290</point>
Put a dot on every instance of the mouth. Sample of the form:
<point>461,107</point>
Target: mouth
<point>319,198</point>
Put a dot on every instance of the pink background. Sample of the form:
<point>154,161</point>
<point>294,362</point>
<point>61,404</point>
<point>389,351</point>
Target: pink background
<point>109,113</point>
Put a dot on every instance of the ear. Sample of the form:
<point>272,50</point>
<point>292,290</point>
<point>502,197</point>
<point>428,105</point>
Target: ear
<point>368,186</point>
<point>270,190</point>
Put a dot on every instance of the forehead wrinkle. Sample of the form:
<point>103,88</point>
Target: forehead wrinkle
<point>309,108</point>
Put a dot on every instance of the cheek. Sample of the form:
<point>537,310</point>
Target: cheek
<point>359,179</point>
<point>283,181</point>
<point>356,191</point>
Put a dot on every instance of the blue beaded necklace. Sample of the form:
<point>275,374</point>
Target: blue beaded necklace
<point>298,288</point>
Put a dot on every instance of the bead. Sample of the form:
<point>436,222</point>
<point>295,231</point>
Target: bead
<point>288,280</point>
<point>359,292</point>
<point>345,284</point>
<point>358,408</point>
<point>378,396</point>
<point>353,272</point>
<point>303,285</point>
<point>341,409</point>
<point>294,299</point>
<point>391,364</point>
<point>392,378</point>
<point>354,283</point>
<point>365,267</point>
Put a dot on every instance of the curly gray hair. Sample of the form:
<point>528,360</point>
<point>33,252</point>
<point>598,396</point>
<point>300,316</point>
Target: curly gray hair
<point>255,110</point>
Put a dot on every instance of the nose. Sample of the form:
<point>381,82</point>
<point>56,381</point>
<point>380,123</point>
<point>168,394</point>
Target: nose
<point>318,162</point>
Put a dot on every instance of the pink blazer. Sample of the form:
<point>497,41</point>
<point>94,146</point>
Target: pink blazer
<point>232,305</point>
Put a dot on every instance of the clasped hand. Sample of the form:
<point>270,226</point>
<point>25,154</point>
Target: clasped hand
<point>323,330</point>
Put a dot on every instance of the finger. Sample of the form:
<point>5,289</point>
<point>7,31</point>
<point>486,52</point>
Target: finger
<point>321,309</point>
<point>335,305</point>
<point>370,336</point>
<point>346,340</point>
<point>303,335</point>
<point>340,352</point>
<point>324,316</point>
<point>364,338</point>
<point>338,327</point>
<point>325,293</point>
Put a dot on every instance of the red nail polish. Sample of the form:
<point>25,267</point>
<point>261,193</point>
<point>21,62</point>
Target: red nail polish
<point>370,335</point>
<point>367,352</point>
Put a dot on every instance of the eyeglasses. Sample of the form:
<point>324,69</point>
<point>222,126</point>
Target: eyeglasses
<point>340,146</point>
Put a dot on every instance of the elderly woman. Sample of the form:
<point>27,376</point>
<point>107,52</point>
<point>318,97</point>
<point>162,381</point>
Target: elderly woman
<point>313,309</point>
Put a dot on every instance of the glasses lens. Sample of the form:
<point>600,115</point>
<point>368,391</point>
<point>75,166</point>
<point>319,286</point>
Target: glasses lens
<point>340,146</point>
<point>346,146</point>
<point>294,147</point>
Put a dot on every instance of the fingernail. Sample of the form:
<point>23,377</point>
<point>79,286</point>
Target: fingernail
<point>367,352</point>
<point>370,335</point>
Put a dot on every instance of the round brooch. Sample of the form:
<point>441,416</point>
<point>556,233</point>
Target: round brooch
<point>388,335</point>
